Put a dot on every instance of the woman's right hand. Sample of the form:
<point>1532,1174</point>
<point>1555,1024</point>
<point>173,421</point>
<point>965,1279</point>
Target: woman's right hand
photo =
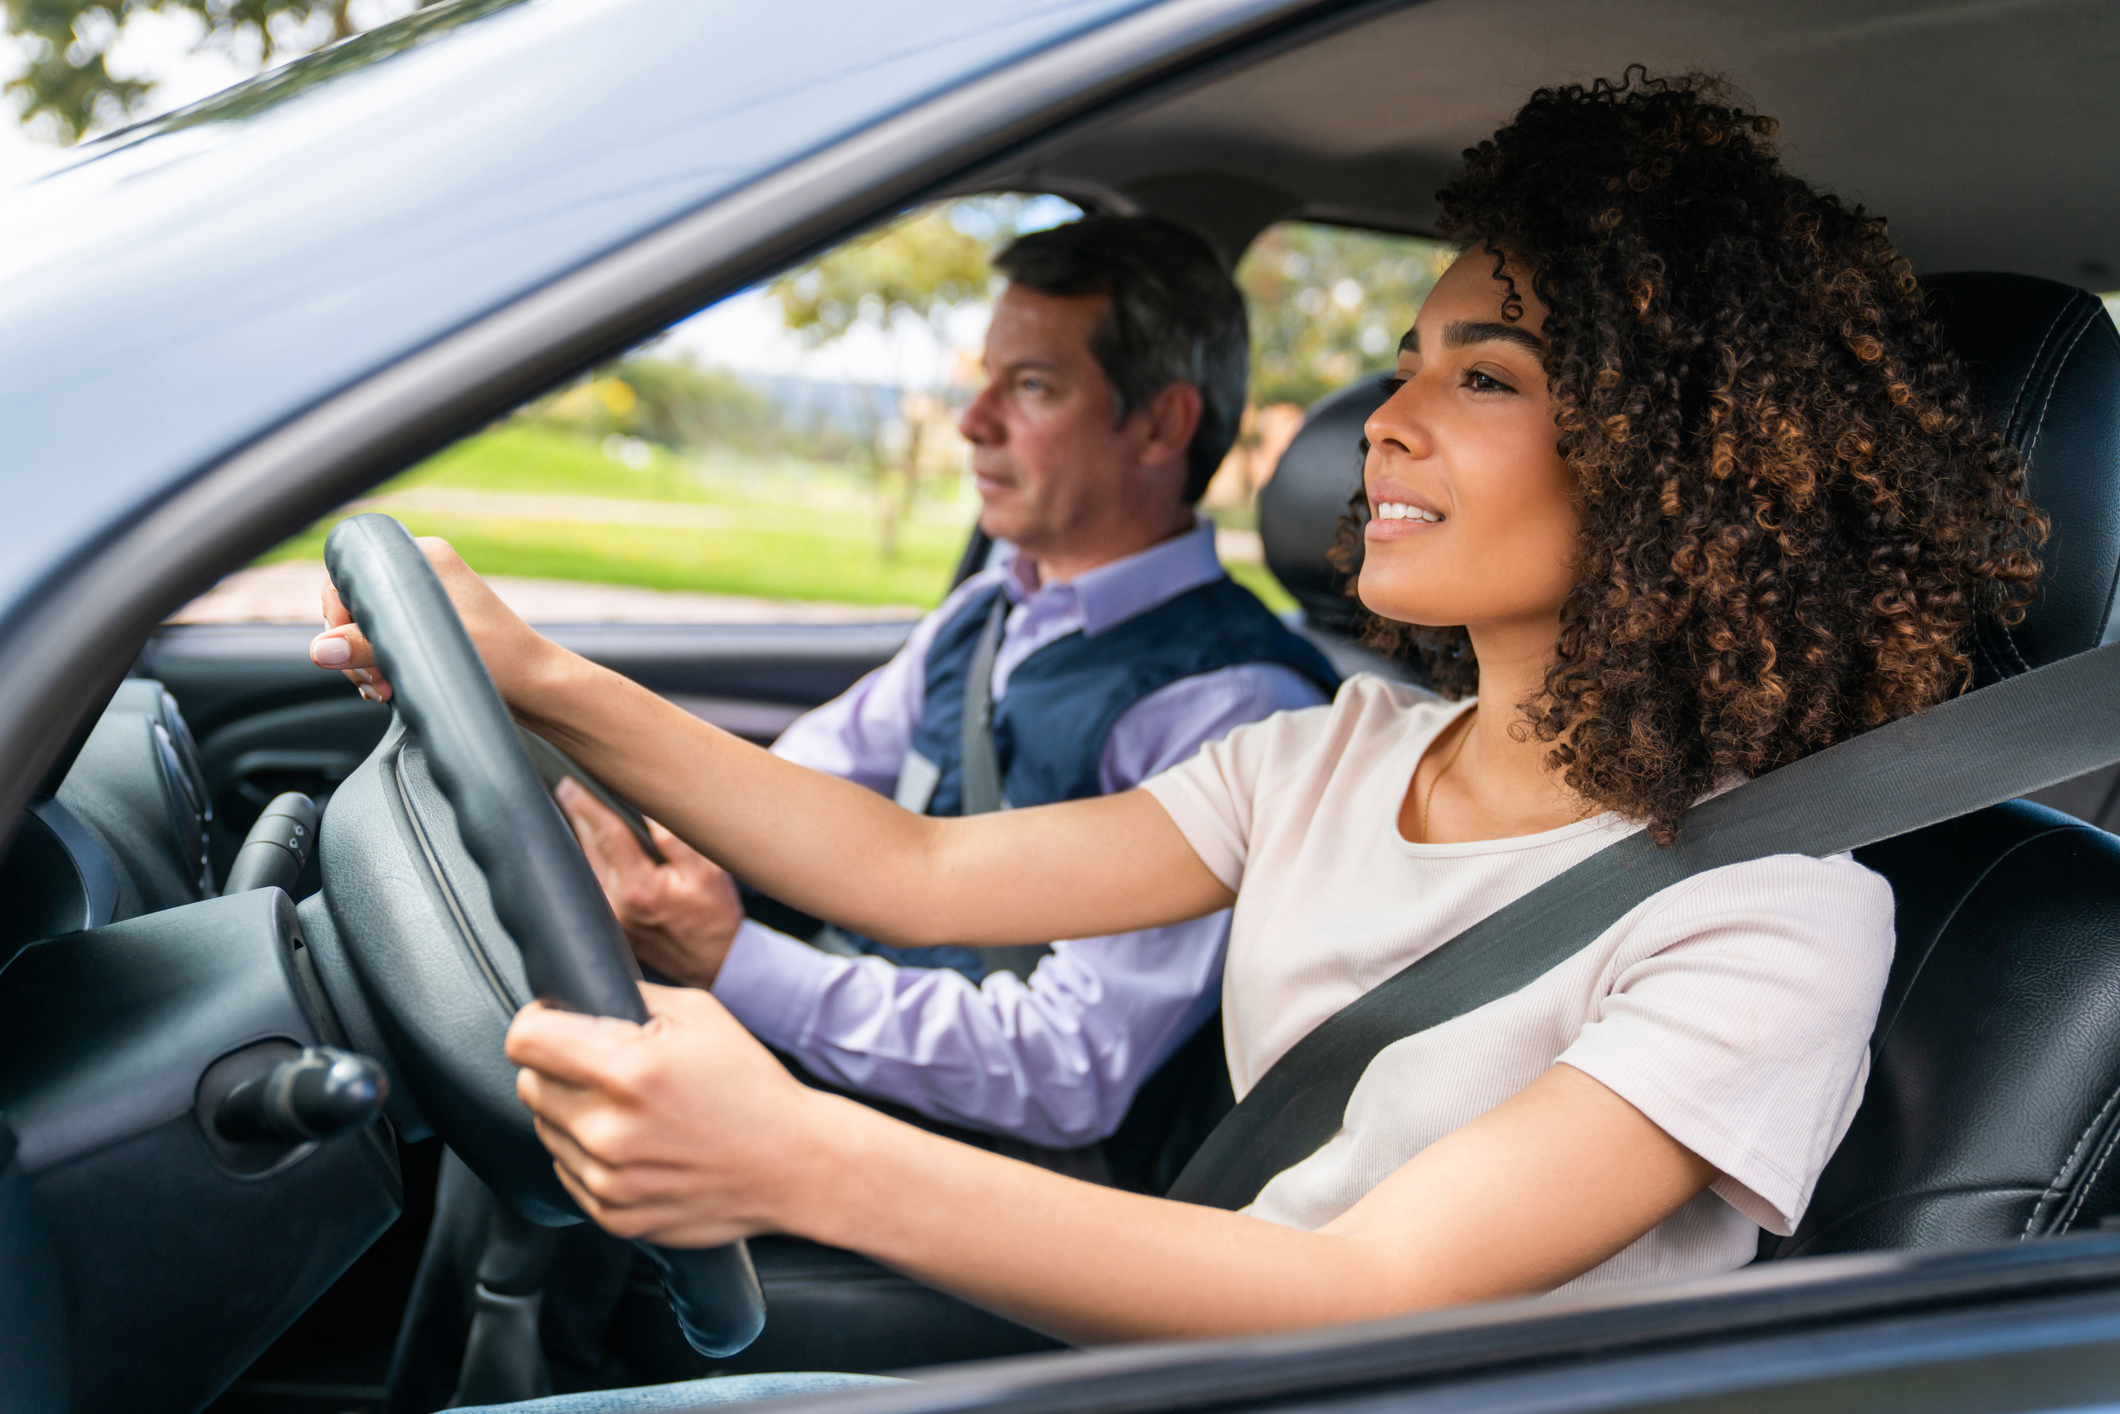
<point>510,648</point>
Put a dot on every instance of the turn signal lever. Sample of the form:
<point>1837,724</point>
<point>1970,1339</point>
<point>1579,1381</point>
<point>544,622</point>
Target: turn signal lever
<point>277,846</point>
<point>312,1095</point>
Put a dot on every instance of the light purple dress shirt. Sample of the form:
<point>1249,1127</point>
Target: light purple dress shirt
<point>1055,1061</point>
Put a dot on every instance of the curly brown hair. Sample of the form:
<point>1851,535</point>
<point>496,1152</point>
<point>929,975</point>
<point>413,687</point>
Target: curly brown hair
<point>1792,512</point>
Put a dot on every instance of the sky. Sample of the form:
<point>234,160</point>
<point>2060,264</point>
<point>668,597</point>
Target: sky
<point>743,333</point>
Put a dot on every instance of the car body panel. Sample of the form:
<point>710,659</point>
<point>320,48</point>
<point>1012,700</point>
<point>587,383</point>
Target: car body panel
<point>2020,1327</point>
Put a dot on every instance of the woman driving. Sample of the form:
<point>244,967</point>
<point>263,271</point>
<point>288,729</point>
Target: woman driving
<point>1677,483</point>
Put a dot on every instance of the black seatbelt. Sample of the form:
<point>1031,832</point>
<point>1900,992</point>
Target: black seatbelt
<point>979,774</point>
<point>2042,727</point>
<point>979,771</point>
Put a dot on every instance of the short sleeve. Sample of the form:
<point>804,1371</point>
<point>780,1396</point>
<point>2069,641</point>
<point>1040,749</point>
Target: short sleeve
<point>1213,795</point>
<point>1740,1017</point>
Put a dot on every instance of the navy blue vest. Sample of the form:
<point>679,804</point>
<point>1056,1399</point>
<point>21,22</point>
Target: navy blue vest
<point>1062,701</point>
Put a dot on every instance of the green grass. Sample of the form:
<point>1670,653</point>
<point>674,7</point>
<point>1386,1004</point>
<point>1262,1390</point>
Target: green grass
<point>526,457</point>
<point>767,564</point>
<point>797,530</point>
<point>1260,581</point>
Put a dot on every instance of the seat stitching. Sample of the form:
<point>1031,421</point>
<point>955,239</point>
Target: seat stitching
<point>2047,401</point>
<point>1990,637</point>
<point>2009,641</point>
<point>1888,1200</point>
<point>2053,1188</point>
<point>2038,373</point>
<point>2031,368</point>
<point>2083,1193</point>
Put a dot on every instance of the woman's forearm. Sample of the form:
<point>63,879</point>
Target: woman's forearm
<point>843,852</point>
<point>1580,1172</point>
<point>1086,1264</point>
<point>764,819</point>
<point>1025,876</point>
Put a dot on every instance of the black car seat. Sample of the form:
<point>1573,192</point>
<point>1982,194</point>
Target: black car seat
<point>1301,506</point>
<point>1993,1104</point>
<point>1994,1096</point>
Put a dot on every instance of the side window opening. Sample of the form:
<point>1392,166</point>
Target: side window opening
<point>788,455</point>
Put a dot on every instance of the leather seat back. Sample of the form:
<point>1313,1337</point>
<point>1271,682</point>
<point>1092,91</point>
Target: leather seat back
<point>1993,1104</point>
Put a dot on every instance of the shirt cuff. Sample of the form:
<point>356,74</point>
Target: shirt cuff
<point>772,983</point>
<point>1747,1180</point>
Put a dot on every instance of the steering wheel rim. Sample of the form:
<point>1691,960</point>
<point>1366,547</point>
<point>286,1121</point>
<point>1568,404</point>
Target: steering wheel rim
<point>454,733</point>
<point>543,889</point>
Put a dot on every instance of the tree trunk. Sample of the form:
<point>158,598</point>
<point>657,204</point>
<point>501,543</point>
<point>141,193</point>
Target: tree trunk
<point>915,430</point>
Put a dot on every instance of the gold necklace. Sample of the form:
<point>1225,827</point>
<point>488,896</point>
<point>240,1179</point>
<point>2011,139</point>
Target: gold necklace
<point>1429,799</point>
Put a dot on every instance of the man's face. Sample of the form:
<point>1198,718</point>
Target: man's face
<point>1050,466</point>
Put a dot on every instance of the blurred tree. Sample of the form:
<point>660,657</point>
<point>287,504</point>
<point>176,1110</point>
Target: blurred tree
<point>67,41</point>
<point>923,265</point>
<point>670,401</point>
<point>1329,303</point>
<point>921,268</point>
<point>681,405</point>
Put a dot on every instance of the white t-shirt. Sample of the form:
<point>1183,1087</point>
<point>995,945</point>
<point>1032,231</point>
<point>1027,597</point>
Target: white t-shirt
<point>1734,1009</point>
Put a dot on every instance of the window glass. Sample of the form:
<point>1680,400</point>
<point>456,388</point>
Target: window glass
<point>787,455</point>
<point>1328,305</point>
<point>791,453</point>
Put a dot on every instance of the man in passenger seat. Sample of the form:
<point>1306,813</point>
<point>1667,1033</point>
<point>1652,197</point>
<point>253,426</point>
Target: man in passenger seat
<point>1116,361</point>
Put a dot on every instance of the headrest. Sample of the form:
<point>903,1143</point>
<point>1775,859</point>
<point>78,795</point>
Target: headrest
<point>2044,359</point>
<point>1300,508</point>
<point>2045,365</point>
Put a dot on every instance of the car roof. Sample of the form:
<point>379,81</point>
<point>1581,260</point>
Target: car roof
<point>1987,132</point>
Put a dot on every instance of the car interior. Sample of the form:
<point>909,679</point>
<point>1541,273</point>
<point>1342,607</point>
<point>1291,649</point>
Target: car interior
<point>199,1252</point>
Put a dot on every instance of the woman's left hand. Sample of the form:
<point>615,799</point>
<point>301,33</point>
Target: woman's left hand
<point>684,1131</point>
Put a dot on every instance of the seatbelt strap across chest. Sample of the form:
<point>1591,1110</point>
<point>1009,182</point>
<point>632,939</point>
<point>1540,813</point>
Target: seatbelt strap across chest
<point>979,772</point>
<point>2019,735</point>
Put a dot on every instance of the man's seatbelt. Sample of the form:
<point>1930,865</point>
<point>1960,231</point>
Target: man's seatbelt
<point>979,774</point>
<point>2028,732</point>
<point>979,771</point>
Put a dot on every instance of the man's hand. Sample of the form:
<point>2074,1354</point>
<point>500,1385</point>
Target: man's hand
<point>685,1131</point>
<point>680,916</point>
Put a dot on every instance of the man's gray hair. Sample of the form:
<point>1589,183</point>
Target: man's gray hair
<point>1175,317</point>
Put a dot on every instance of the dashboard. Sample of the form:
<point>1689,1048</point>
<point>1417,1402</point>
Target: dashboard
<point>136,1002</point>
<point>124,835</point>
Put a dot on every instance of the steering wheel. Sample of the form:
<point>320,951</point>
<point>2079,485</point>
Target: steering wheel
<point>456,892</point>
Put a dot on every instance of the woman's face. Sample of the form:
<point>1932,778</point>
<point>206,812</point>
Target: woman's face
<point>1472,518</point>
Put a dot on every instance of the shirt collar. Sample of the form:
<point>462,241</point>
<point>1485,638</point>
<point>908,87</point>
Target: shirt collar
<point>1111,594</point>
